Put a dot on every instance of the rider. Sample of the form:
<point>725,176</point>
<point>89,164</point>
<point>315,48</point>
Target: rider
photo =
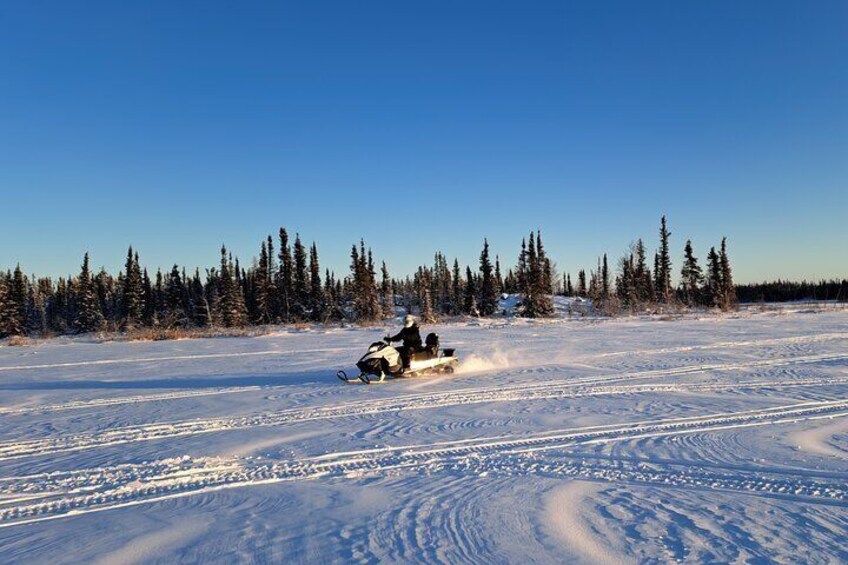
<point>411,337</point>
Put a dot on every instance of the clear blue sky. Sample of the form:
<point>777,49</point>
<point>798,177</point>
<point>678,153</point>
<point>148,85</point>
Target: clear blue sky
<point>178,126</point>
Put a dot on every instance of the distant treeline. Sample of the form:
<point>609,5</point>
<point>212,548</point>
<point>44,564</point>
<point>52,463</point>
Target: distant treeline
<point>285,284</point>
<point>787,291</point>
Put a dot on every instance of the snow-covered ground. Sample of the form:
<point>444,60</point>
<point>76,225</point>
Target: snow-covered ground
<point>708,439</point>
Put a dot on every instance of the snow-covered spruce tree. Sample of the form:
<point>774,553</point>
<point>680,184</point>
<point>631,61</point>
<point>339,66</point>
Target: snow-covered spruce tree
<point>499,283</point>
<point>147,299</point>
<point>441,285</point>
<point>88,315</point>
<point>201,311</point>
<point>712,289</point>
<point>57,308</point>
<point>470,298</point>
<point>373,294</point>
<point>547,280</point>
<point>159,298</point>
<point>529,264</point>
<point>423,283</point>
<point>582,289</point>
<point>521,270</point>
<point>17,299</point>
<point>332,297</point>
<point>364,288</point>
<point>387,294</point>
<point>537,301</point>
<point>285,279</point>
<point>691,277</point>
<point>260,304</point>
<point>456,289</point>
<point>241,303</point>
<point>301,281</point>
<point>728,290</point>
<point>40,291</point>
<point>132,305</point>
<point>273,296</point>
<point>626,284</point>
<point>175,307</point>
<point>5,307</point>
<point>664,293</point>
<point>231,302</point>
<point>488,290</point>
<point>605,280</point>
<point>316,291</point>
<point>642,275</point>
<point>104,285</point>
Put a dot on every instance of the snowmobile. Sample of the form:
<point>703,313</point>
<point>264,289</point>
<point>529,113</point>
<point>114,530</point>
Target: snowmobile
<point>383,360</point>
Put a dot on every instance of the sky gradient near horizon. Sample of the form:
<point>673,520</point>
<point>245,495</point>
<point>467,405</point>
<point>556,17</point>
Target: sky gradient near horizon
<point>179,126</point>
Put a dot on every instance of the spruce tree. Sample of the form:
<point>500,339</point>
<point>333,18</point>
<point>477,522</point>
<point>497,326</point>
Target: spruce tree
<point>387,294</point>
<point>712,294</point>
<point>5,306</point>
<point>201,308</point>
<point>691,277</point>
<point>231,304</point>
<point>641,274</point>
<point>301,280</point>
<point>262,288</point>
<point>57,308</point>
<point>16,303</point>
<point>456,290</point>
<point>39,293</point>
<point>470,299</point>
<point>664,266</point>
<point>285,281</point>
<point>425,293</point>
<point>316,291</point>
<point>488,292</point>
<point>88,318</point>
<point>728,290</point>
<point>175,311</point>
<point>273,296</point>
<point>499,283</point>
<point>547,280</point>
<point>133,293</point>
<point>582,289</point>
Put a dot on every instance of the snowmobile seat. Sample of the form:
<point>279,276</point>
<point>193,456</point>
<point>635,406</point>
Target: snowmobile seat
<point>423,355</point>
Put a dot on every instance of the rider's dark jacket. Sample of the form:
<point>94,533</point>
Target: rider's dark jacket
<point>411,337</point>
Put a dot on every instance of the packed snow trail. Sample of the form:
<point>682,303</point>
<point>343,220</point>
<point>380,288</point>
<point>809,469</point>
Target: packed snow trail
<point>33,498</point>
<point>550,389</point>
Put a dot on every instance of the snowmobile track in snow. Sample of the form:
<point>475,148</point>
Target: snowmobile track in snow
<point>177,395</point>
<point>540,390</point>
<point>48,496</point>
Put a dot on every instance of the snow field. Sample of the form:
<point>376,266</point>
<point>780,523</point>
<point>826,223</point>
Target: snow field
<point>712,439</point>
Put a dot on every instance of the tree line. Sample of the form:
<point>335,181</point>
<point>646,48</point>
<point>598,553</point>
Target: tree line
<point>283,285</point>
<point>786,291</point>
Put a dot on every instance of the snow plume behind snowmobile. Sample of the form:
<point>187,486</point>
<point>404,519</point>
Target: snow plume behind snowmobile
<point>383,360</point>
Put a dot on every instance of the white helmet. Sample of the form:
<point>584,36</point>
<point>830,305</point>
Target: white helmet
<point>408,321</point>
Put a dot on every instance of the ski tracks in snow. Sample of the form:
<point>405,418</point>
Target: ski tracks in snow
<point>552,453</point>
<point>539,390</point>
<point>47,496</point>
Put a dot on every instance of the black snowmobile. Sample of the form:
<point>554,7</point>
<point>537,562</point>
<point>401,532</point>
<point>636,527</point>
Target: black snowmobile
<point>383,360</point>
